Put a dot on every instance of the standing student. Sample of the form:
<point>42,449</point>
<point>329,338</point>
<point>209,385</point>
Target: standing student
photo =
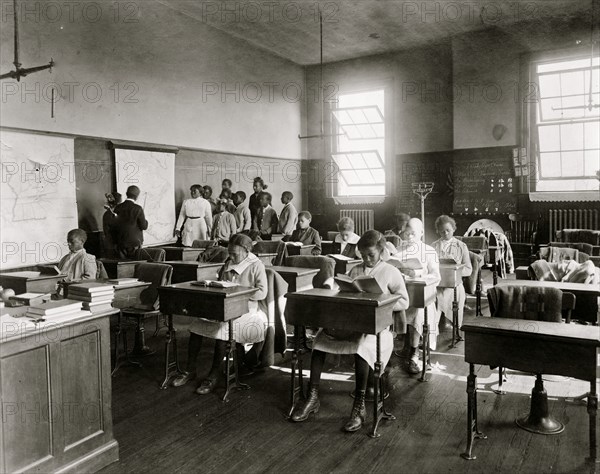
<point>242,215</point>
<point>254,202</point>
<point>288,219</point>
<point>449,247</point>
<point>363,346</point>
<point>346,237</point>
<point>108,224</point>
<point>265,220</point>
<point>130,224</point>
<point>245,268</point>
<point>224,225</point>
<point>306,234</point>
<point>78,264</point>
<point>207,194</point>
<point>195,217</point>
<point>414,248</point>
<point>226,185</point>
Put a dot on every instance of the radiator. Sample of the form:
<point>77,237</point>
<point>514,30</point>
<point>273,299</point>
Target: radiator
<point>364,219</point>
<point>560,219</point>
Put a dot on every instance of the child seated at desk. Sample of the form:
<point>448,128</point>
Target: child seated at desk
<point>401,221</point>
<point>412,248</point>
<point>306,234</point>
<point>363,346</point>
<point>245,268</point>
<point>78,264</point>
<point>449,247</point>
<point>347,238</point>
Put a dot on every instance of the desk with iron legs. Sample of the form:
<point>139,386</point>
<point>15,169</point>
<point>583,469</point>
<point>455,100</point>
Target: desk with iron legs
<point>297,278</point>
<point>217,304</point>
<point>535,347</point>
<point>421,293</point>
<point>452,278</point>
<point>361,312</point>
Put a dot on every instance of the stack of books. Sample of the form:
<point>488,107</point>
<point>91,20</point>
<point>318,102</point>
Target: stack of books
<point>96,296</point>
<point>58,309</point>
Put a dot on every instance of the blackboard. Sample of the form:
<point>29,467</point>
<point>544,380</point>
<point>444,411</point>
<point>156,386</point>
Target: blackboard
<point>432,167</point>
<point>484,181</point>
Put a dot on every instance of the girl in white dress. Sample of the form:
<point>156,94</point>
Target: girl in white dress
<point>363,346</point>
<point>449,247</point>
<point>244,268</point>
<point>195,217</point>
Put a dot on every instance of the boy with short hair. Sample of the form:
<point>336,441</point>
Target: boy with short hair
<point>289,215</point>
<point>265,220</point>
<point>306,234</point>
<point>224,225</point>
<point>242,215</point>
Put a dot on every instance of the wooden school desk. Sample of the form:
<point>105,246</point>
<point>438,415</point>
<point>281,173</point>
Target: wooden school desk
<point>297,278</point>
<point>537,347</point>
<point>266,258</point>
<point>217,304</point>
<point>362,312</point>
<point>421,293</point>
<point>116,268</point>
<point>580,290</point>
<point>452,278</point>
<point>193,271</point>
<point>56,396</point>
<point>299,249</point>
<point>344,266</point>
<point>30,282</point>
<point>182,253</point>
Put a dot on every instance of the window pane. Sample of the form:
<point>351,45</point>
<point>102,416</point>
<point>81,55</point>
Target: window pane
<point>352,131</point>
<point>571,136</point>
<point>550,165</point>
<point>549,85</point>
<point>373,114</point>
<point>549,138</point>
<point>571,83</point>
<point>595,112</point>
<point>378,175</point>
<point>592,162</point>
<point>357,116</point>
<point>350,177</point>
<point>596,79</point>
<point>577,107</point>
<point>568,64</point>
<point>366,131</point>
<point>592,135</point>
<point>357,161</point>
<point>342,161</point>
<point>372,160</point>
<point>547,112</point>
<point>365,177</point>
<point>572,163</point>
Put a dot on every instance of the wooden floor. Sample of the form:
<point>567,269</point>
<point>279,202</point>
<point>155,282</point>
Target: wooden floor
<point>177,431</point>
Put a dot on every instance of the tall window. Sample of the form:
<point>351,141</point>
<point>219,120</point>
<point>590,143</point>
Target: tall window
<point>359,149</point>
<point>565,135</point>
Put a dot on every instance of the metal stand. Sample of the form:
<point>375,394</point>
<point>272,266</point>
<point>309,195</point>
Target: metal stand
<point>379,411</point>
<point>422,189</point>
<point>296,390</point>
<point>426,349</point>
<point>232,379</point>
<point>472,429</point>
<point>456,338</point>
<point>538,420</point>
<point>171,341</point>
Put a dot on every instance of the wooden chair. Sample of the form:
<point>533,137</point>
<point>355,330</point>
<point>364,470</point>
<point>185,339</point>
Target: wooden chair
<point>533,304</point>
<point>521,235</point>
<point>157,274</point>
<point>151,254</point>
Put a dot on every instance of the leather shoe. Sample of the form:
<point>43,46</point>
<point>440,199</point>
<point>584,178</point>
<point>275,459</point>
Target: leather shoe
<point>358,415</point>
<point>183,379</point>
<point>207,386</point>
<point>412,367</point>
<point>308,406</point>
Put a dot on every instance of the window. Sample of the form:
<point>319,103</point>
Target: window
<point>359,150</point>
<point>565,124</point>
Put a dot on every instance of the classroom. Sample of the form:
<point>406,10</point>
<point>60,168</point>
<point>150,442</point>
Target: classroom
<point>202,199</point>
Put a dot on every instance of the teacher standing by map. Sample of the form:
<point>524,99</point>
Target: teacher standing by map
<point>195,217</point>
<point>129,225</point>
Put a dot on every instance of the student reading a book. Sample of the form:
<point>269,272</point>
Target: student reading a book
<point>195,217</point>
<point>288,219</point>
<point>401,221</point>
<point>410,250</point>
<point>244,268</point>
<point>78,264</point>
<point>347,238</point>
<point>265,220</point>
<point>363,346</point>
<point>449,247</point>
<point>242,215</point>
<point>306,234</point>
<point>224,224</point>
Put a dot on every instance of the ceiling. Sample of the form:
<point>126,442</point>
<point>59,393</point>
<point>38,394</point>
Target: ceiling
<point>290,29</point>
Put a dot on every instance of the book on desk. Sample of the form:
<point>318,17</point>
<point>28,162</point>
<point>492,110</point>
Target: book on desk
<point>359,284</point>
<point>216,283</point>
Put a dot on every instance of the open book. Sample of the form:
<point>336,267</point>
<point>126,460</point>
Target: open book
<point>339,256</point>
<point>405,263</point>
<point>360,284</point>
<point>215,283</point>
<point>295,244</point>
<point>448,261</point>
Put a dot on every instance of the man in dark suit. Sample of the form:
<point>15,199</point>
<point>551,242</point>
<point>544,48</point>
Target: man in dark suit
<point>129,225</point>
